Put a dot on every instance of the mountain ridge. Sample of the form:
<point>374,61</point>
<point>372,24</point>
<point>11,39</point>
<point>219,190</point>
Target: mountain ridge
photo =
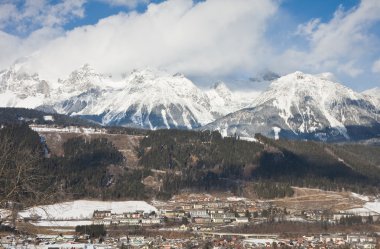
<point>296,105</point>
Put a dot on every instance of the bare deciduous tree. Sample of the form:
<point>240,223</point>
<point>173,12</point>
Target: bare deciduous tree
<point>22,183</point>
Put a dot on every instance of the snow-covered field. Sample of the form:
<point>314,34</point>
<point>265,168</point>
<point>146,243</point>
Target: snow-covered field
<point>83,209</point>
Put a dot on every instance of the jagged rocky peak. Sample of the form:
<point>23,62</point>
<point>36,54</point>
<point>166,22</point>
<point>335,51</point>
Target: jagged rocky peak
<point>220,86</point>
<point>81,80</point>
<point>85,74</point>
<point>266,75</point>
<point>19,81</point>
<point>222,90</point>
<point>179,75</point>
<point>21,88</point>
<point>146,74</point>
<point>44,88</point>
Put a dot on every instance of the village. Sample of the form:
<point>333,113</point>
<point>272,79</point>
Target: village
<point>191,221</point>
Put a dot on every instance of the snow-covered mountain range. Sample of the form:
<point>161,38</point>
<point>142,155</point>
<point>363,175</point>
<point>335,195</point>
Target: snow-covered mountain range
<point>297,105</point>
<point>146,98</point>
<point>307,106</point>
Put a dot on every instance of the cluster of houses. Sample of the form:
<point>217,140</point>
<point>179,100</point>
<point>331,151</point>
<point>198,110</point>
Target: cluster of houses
<point>336,217</point>
<point>318,241</point>
<point>196,216</point>
<point>137,241</point>
<point>218,212</point>
<point>138,217</point>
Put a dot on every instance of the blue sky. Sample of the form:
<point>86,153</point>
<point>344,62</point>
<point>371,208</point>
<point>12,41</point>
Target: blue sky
<point>206,40</point>
<point>303,11</point>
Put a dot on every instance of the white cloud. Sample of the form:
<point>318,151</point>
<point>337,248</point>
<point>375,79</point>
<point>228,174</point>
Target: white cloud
<point>342,44</point>
<point>216,37</point>
<point>376,66</point>
<point>25,16</point>
<point>13,47</point>
<point>350,69</point>
<point>307,29</point>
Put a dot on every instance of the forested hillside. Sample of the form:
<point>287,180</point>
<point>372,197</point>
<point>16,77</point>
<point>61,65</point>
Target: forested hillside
<point>206,160</point>
<point>94,168</point>
<point>91,168</point>
<point>175,160</point>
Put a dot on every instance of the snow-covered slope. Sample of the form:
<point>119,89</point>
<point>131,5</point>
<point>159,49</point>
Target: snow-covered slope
<point>300,105</point>
<point>374,95</point>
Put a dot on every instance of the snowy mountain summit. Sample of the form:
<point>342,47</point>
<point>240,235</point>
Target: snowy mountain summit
<point>82,80</point>
<point>153,99</point>
<point>301,105</point>
<point>147,98</point>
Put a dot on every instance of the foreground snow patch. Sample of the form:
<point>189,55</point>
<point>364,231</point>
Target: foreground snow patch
<point>369,208</point>
<point>373,206</point>
<point>83,209</point>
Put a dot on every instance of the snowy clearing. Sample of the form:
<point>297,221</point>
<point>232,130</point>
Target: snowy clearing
<point>83,209</point>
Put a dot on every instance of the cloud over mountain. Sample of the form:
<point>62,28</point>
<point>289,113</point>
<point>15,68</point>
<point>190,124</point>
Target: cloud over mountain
<point>213,39</point>
<point>176,35</point>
